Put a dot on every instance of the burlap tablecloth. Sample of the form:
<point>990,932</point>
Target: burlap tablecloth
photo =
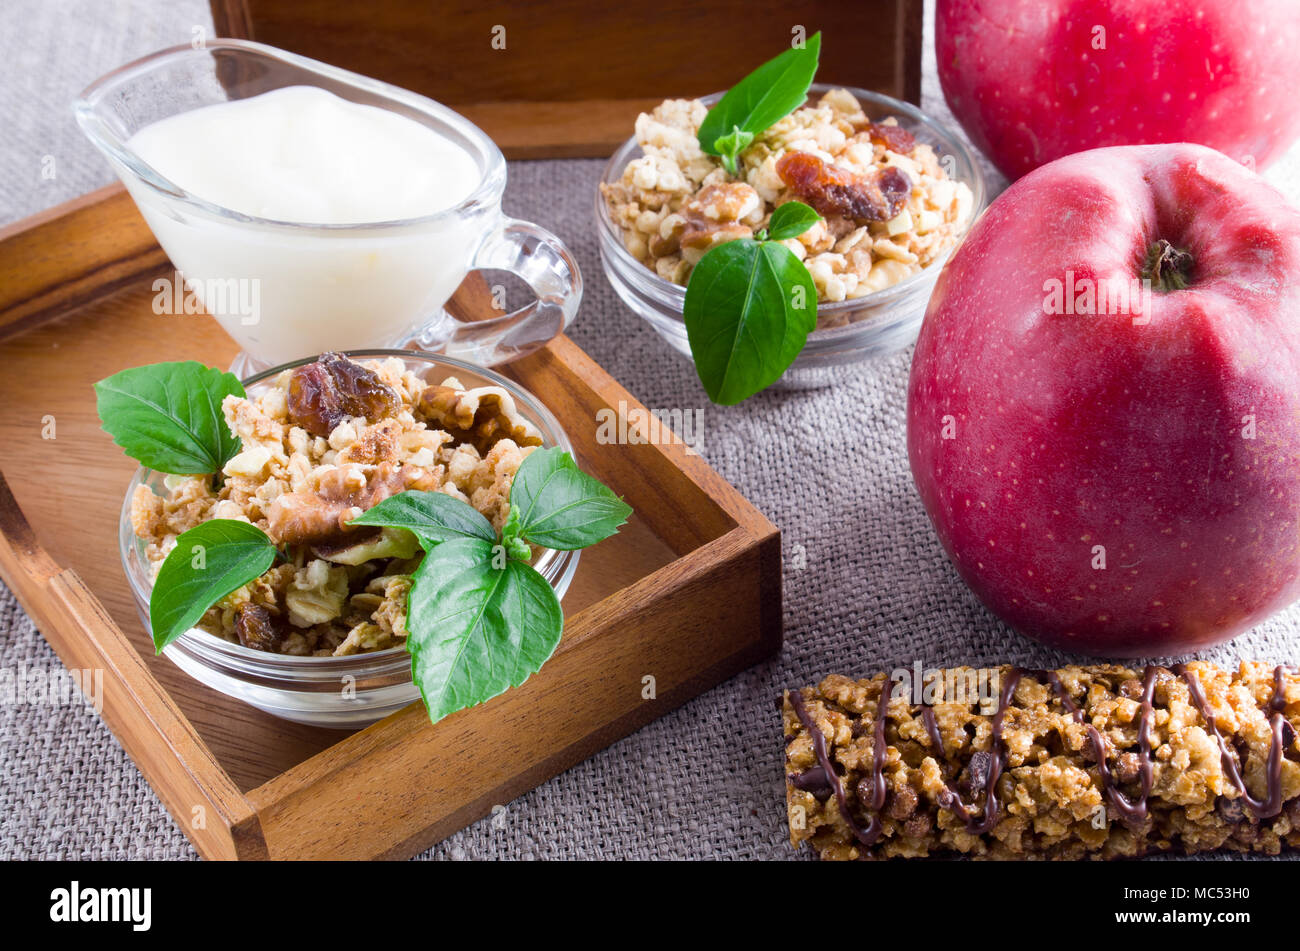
<point>867,586</point>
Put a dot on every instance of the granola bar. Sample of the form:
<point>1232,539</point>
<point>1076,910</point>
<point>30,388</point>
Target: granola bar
<point>1098,761</point>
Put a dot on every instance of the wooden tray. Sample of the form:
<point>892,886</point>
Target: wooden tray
<point>689,592</point>
<point>574,73</point>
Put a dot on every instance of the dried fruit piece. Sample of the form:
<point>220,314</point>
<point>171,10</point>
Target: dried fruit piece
<point>324,393</point>
<point>893,137</point>
<point>832,190</point>
<point>1229,810</point>
<point>257,628</point>
<point>902,803</point>
<point>977,773</point>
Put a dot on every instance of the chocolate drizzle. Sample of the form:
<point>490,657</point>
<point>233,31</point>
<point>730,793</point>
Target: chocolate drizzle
<point>950,799</point>
<point>879,788</point>
<point>865,836</point>
<point>1259,808</point>
<point>1133,811</point>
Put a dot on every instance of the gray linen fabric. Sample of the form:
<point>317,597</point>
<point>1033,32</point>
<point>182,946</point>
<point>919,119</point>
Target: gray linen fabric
<point>867,586</point>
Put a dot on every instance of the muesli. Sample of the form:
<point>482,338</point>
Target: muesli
<point>310,461</point>
<point>889,209</point>
<point>353,507</point>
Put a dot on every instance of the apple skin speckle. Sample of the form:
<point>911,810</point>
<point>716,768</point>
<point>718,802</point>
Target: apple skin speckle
<point>1163,446</point>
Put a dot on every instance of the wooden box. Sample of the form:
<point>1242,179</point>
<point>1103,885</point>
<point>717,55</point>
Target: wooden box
<point>568,77</point>
<point>688,593</point>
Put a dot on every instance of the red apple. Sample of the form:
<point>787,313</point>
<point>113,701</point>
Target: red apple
<point>1121,483</point>
<point>1033,80</point>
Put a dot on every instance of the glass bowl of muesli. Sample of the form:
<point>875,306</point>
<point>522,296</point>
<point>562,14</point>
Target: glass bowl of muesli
<point>663,203</point>
<point>319,638</point>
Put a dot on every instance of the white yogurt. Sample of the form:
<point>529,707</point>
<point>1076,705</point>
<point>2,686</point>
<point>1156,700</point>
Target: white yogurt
<point>303,155</point>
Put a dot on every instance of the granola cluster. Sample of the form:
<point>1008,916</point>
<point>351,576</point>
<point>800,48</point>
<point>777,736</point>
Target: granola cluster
<point>675,202</point>
<point>1050,792</point>
<point>303,473</point>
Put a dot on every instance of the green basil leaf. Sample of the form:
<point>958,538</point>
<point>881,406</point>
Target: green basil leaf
<point>512,538</point>
<point>735,142</point>
<point>749,308</point>
<point>209,561</point>
<point>476,630</point>
<point>768,94</point>
<point>791,220</point>
<point>167,416</point>
<point>560,506</point>
<point>433,517</point>
<point>730,146</point>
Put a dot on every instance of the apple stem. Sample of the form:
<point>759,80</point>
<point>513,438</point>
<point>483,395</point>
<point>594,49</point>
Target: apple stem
<point>1166,267</point>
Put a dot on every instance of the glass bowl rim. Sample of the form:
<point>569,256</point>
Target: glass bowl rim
<point>208,645</point>
<point>675,294</point>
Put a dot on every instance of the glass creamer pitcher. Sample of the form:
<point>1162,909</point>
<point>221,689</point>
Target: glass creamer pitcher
<point>289,289</point>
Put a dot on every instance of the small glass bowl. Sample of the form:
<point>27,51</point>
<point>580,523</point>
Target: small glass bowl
<point>876,324</point>
<point>341,692</point>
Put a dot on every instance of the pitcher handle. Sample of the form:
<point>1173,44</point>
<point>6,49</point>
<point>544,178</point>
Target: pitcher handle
<point>540,260</point>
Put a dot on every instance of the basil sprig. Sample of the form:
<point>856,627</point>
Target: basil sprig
<point>209,561</point>
<point>765,96</point>
<point>479,618</point>
<point>750,305</point>
<point>167,416</point>
<point>476,629</point>
<point>560,506</point>
<point>432,517</point>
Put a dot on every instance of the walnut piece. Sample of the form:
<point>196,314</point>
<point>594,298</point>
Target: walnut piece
<point>343,494</point>
<point>719,213</point>
<point>480,416</point>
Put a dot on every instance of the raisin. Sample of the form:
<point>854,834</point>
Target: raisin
<point>893,137</point>
<point>902,803</point>
<point>832,190</point>
<point>1128,767</point>
<point>977,773</point>
<point>257,629</point>
<point>919,826</point>
<point>324,393</point>
<point>866,791</point>
<point>1229,810</point>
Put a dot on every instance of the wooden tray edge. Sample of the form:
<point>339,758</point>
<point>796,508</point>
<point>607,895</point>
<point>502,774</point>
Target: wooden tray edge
<point>752,532</point>
<point>36,287</point>
<point>81,632</point>
<point>193,786</point>
<point>288,803</point>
